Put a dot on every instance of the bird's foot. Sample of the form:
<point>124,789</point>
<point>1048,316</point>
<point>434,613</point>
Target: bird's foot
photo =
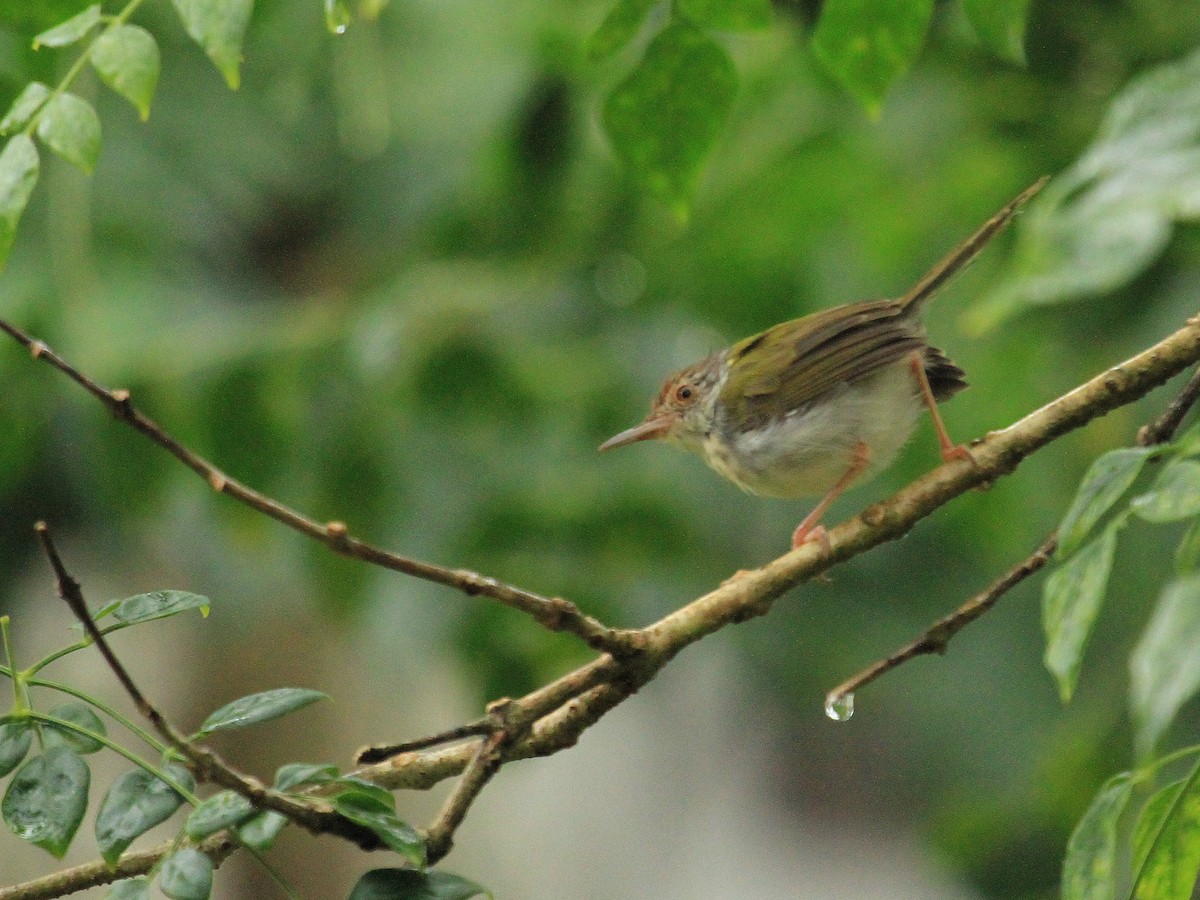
<point>806,534</point>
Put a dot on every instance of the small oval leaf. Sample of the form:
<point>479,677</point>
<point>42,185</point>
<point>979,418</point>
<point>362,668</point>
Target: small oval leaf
<point>1106,480</point>
<point>260,832</point>
<point>71,30</point>
<point>1164,667</point>
<point>69,126</point>
<point>78,714</point>
<point>136,802</point>
<point>364,809</point>
<point>15,738</point>
<point>1174,495</point>
<point>28,102</point>
<point>220,811</point>
<point>129,889</point>
<point>218,26</point>
<point>127,59</point>
<point>18,174</point>
<point>158,605</point>
<point>46,799</point>
<point>1089,869</point>
<point>186,875</point>
<point>260,708</point>
<point>409,884</point>
<point>293,775</point>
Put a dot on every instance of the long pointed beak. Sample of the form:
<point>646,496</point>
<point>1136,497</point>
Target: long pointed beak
<point>654,427</point>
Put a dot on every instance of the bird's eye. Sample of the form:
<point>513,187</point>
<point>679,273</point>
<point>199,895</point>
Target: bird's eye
<point>683,392</point>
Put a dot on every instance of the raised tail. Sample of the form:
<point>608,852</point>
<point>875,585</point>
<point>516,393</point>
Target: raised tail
<point>964,253</point>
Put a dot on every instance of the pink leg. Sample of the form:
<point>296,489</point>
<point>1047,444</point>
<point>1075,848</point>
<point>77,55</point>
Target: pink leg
<point>950,450</point>
<point>809,530</point>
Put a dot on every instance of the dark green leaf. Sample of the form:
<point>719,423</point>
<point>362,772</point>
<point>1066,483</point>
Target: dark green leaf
<point>223,810</point>
<point>261,831</point>
<point>1000,24</point>
<point>366,810</point>
<point>15,738</point>
<point>28,102</point>
<point>71,30</point>
<point>381,796</point>
<point>260,708</point>
<point>1089,869</point>
<point>619,27</point>
<point>127,59</point>
<point>136,802</point>
<point>409,884</point>
<point>1070,603</point>
<point>295,774</point>
<point>18,175</point>
<point>1166,843</point>
<point>1106,480</point>
<point>727,15</point>
<point>218,26</point>
<point>46,799</point>
<point>1174,495</point>
<point>159,605</point>
<point>78,714</point>
<point>129,889</point>
<point>1164,667</point>
<point>664,118</point>
<point>69,126</point>
<point>186,875</point>
<point>868,44</point>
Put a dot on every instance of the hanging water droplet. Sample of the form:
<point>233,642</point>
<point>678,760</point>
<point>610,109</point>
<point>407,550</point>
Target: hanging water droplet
<point>839,707</point>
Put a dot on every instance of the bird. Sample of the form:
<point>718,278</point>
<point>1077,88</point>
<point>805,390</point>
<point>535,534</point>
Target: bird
<point>814,405</point>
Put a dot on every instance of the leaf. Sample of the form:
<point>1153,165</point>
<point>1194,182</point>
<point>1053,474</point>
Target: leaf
<point>1089,869</point>
<point>186,875</point>
<point>409,884</point>
<point>619,27</point>
<point>218,26</point>
<point>366,810</point>
<point>1164,667</point>
<point>1070,603</point>
<point>1103,221</point>
<point>1000,24</point>
<point>159,605</point>
<point>15,738</point>
<point>69,126</point>
<point>664,118</point>
<point>77,714</point>
<point>260,832</point>
<point>1187,554</point>
<point>136,802</point>
<point>46,800</point>
<point>129,889</point>
<point>220,811</point>
<point>1174,495</point>
<point>1106,480</point>
<point>868,44</point>
<point>18,174</point>
<point>71,30</point>
<point>1166,843</point>
<point>260,708</point>
<point>381,796</point>
<point>28,102</point>
<point>337,16</point>
<point>295,774</point>
<point>727,15</point>
<point>126,58</point>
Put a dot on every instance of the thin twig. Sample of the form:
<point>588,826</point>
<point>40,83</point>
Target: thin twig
<point>553,613</point>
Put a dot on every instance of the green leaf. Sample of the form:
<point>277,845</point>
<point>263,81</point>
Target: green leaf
<point>78,714</point>
<point>1174,495</point>
<point>159,605</point>
<point>260,832</point>
<point>1164,667</point>
<point>619,27</point>
<point>71,30</point>
<point>1106,480</point>
<point>1166,843</point>
<point>220,811</point>
<point>129,889</point>
<point>127,59</point>
<point>1000,24</point>
<point>218,26</point>
<point>727,15</point>
<point>1187,554</point>
<point>1103,221</point>
<point>381,796</point>
<point>15,738</point>
<point>295,774</point>
<point>1070,603</point>
<point>136,802</point>
<point>260,708</point>
<point>868,44</point>
<point>28,102</point>
<point>46,800</point>
<point>337,16</point>
<point>1188,443</point>
<point>69,126</point>
<point>366,810</point>
<point>409,884</point>
<point>664,118</point>
<point>1089,869</point>
<point>186,875</point>
<point>18,174</point>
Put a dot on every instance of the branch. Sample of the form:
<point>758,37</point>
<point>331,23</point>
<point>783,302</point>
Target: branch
<point>558,713</point>
<point>553,613</point>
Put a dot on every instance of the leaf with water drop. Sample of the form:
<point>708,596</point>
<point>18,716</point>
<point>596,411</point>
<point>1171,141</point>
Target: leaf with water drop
<point>135,803</point>
<point>186,875</point>
<point>46,799</point>
<point>839,707</point>
<point>1089,868</point>
<point>1166,843</point>
<point>1106,480</point>
<point>79,714</point>
<point>1164,668</point>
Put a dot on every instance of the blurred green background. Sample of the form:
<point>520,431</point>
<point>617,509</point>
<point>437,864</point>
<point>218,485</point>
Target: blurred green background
<point>398,279</point>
